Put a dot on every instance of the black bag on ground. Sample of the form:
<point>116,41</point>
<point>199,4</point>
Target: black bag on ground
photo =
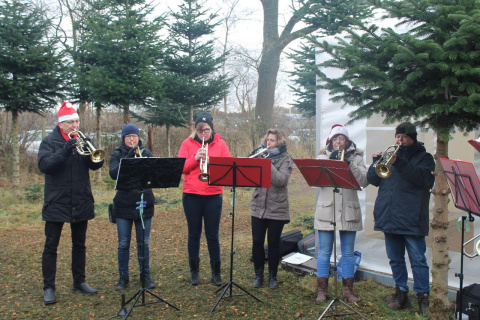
<point>111,213</point>
<point>470,301</point>
<point>307,245</point>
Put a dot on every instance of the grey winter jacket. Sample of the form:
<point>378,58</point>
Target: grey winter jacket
<point>272,203</point>
<point>348,214</point>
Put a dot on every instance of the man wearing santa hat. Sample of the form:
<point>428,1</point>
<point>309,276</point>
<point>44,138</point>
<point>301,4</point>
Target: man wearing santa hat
<point>68,199</point>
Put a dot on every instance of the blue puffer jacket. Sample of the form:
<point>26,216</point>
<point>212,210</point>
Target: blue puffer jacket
<point>402,205</point>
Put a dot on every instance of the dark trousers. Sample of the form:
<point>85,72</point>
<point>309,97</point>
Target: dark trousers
<point>206,209</point>
<point>53,231</point>
<point>273,229</point>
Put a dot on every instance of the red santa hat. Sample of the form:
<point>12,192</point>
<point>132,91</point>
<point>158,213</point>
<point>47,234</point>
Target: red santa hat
<point>67,112</point>
<point>337,129</point>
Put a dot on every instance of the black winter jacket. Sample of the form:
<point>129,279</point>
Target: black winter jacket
<point>124,203</point>
<point>402,205</point>
<point>68,194</point>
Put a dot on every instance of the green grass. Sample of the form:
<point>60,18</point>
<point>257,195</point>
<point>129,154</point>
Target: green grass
<point>21,248</point>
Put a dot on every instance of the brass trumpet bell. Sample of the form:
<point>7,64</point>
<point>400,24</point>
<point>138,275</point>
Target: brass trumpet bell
<point>85,148</point>
<point>381,165</point>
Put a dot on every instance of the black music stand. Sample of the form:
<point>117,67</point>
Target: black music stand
<point>465,187</point>
<point>335,174</point>
<point>237,172</point>
<point>141,174</point>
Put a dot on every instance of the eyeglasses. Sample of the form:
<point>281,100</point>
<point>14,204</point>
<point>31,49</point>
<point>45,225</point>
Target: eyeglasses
<point>204,130</point>
<point>131,136</point>
<point>339,139</point>
<point>72,121</point>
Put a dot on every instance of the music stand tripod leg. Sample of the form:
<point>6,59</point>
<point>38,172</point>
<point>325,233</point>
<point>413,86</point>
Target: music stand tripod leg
<point>230,284</point>
<point>143,290</point>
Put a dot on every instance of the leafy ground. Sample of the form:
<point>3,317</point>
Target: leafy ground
<point>21,244</point>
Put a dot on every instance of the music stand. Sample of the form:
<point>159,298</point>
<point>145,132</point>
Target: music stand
<point>141,174</point>
<point>335,174</point>
<point>465,187</point>
<point>237,172</point>
<point>475,144</point>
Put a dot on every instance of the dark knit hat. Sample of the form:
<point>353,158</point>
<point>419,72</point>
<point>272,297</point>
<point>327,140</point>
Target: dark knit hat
<point>407,129</point>
<point>204,117</point>
<point>130,128</point>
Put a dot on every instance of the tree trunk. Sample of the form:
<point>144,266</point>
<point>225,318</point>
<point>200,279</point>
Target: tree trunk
<point>192,121</point>
<point>439,303</point>
<point>268,67</point>
<point>98,173</point>
<point>150,137</point>
<point>167,129</point>
<point>126,114</point>
<point>16,157</point>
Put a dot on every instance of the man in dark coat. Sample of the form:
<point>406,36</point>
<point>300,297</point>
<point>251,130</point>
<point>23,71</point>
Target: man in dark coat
<point>402,212</point>
<point>67,199</point>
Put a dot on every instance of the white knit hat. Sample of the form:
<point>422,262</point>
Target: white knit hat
<point>67,112</point>
<point>337,129</point>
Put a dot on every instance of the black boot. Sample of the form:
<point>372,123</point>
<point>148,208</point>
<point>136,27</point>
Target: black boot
<point>194,272</point>
<point>272,279</point>
<point>216,277</point>
<point>423,302</point>
<point>122,282</point>
<point>258,282</point>
<point>399,301</point>
<point>149,284</point>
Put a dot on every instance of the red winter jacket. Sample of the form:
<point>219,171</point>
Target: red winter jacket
<point>191,170</point>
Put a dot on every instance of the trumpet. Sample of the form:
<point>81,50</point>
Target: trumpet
<point>262,153</point>
<point>477,248</point>
<point>381,165</point>
<point>138,153</point>
<point>85,148</point>
<point>341,155</point>
<point>204,176</point>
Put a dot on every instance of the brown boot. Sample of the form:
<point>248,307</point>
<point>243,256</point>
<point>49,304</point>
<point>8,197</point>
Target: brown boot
<point>348,290</point>
<point>322,289</point>
<point>399,301</point>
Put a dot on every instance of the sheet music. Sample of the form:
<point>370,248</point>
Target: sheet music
<point>297,258</point>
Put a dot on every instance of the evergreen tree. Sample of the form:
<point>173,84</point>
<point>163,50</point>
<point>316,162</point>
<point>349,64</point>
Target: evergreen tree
<point>121,52</point>
<point>429,73</point>
<point>193,79</point>
<point>31,68</point>
<point>305,79</point>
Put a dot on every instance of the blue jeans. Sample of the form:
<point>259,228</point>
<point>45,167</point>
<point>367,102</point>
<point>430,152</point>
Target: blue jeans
<point>416,247</point>
<point>347,245</point>
<point>124,230</point>
<point>208,209</point>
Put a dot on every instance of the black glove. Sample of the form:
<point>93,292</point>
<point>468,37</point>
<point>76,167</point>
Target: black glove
<point>69,145</point>
<point>334,155</point>
<point>375,159</point>
<point>88,139</point>
<point>131,152</point>
<point>348,162</point>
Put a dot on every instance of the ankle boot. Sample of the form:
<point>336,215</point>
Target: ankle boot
<point>272,279</point>
<point>423,303</point>
<point>122,282</point>
<point>194,272</point>
<point>149,284</point>
<point>399,301</point>
<point>322,289</point>
<point>216,276</point>
<point>348,290</point>
<point>258,282</point>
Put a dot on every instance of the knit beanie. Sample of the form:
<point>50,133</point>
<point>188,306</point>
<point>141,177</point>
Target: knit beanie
<point>204,117</point>
<point>337,129</point>
<point>130,128</point>
<point>67,112</point>
<point>407,129</point>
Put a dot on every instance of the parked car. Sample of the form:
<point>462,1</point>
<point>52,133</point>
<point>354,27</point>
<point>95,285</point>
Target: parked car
<point>32,147</point>
<point>302,135</point>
